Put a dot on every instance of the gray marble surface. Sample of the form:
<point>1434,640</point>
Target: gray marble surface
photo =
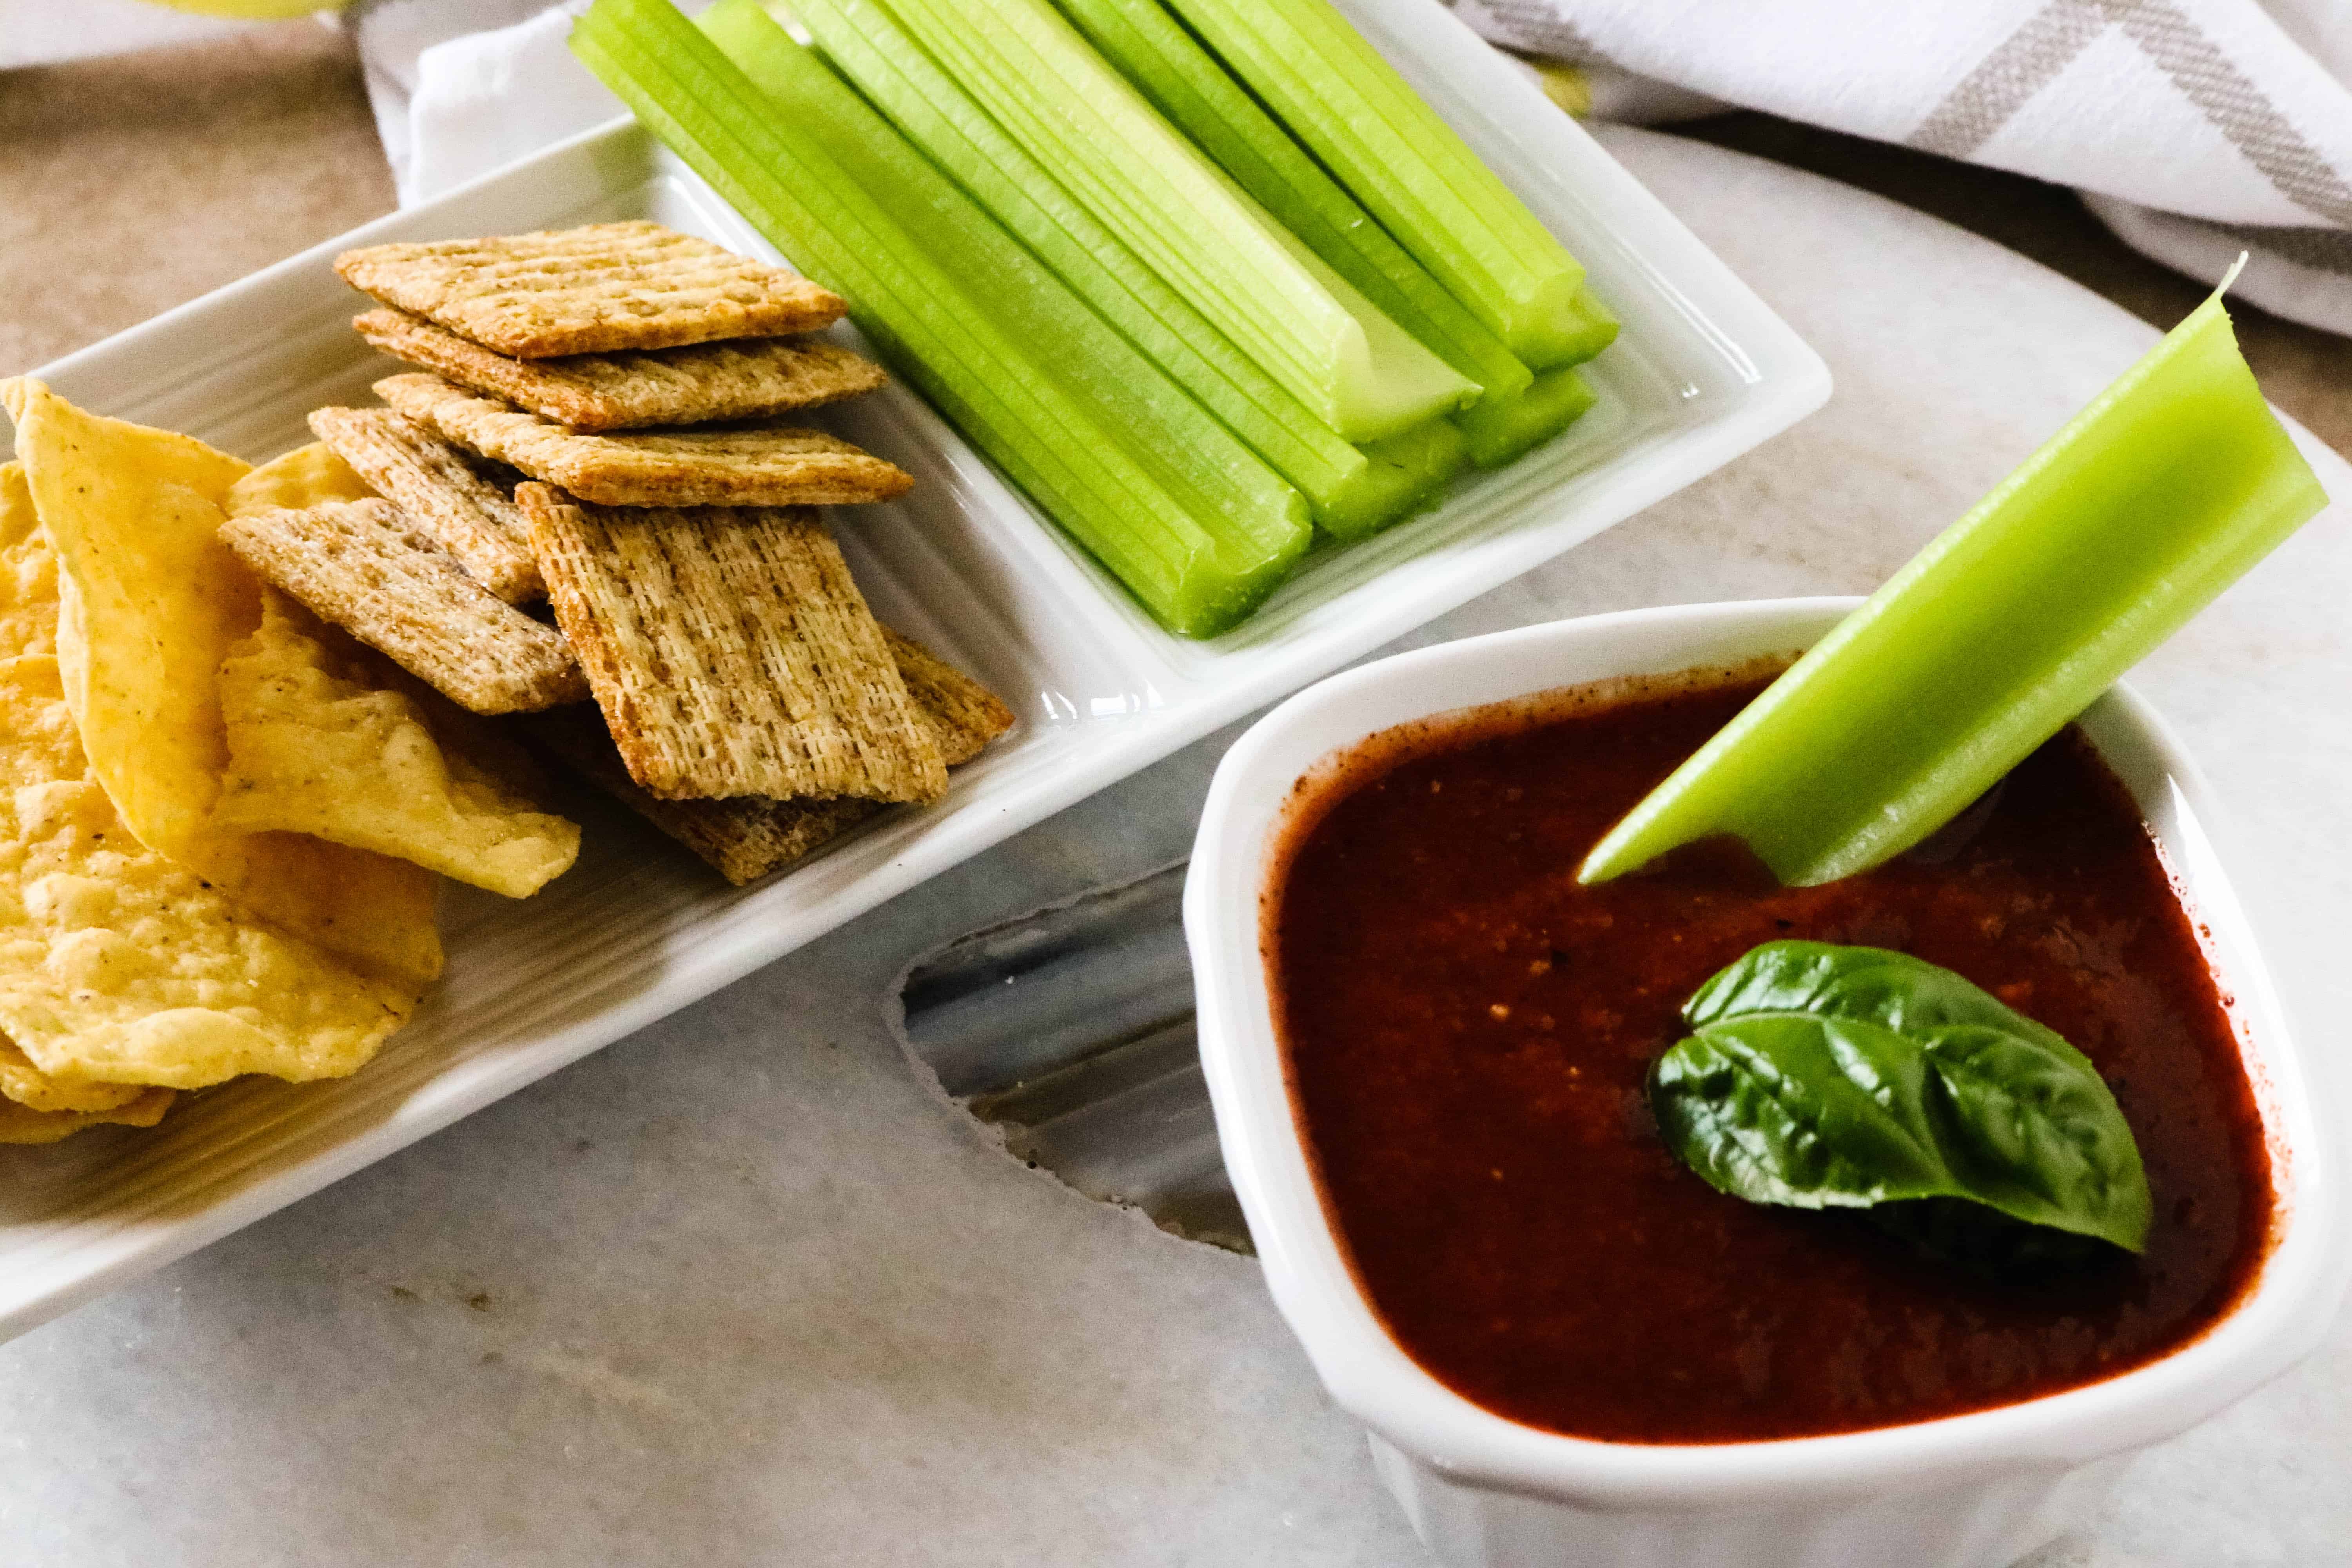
<point>741,1290</point>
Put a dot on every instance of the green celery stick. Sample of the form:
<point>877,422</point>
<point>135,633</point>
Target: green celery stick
<point>1186,82</point>
<point>1590,328</point>
<point>1353,112</point>
<point>688,94</point>
<point>1499,434</point>
<point>1409,474</point>
<point>1308,327</point>
<point>1200,460</point>
<point>865,43</point>
<point>2154,498</point>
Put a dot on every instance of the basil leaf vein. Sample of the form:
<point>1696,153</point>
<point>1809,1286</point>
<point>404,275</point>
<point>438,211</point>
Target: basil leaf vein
<point>1818,1076</point>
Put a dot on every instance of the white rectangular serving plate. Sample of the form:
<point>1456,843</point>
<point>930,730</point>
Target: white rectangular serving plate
<point>1703,372</point>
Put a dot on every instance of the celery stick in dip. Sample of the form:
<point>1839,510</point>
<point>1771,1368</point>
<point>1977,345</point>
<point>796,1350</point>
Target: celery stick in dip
<point>2173,483</point>
<point>1360,371</point>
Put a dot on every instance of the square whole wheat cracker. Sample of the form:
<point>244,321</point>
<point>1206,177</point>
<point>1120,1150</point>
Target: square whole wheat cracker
<point>437,484</point>
<point>748,836</point>
<point>730,652</point>
<point>607,286</point>
<point>699,384</point>
<point>764,463</point>
<point>366,567</point>
<point>963,714</point>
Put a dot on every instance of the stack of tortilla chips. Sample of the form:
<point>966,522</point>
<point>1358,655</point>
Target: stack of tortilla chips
<point>222,818</point>
<point>602,422</point>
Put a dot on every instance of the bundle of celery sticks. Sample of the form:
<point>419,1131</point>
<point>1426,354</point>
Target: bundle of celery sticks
<point>1204,279</point>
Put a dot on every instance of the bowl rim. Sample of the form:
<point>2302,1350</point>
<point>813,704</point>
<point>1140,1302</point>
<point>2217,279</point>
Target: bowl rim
<point>2282,1317</point>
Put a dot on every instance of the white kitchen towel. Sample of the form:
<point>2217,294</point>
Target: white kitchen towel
<point>2194,128</point>
<point>462,87</point>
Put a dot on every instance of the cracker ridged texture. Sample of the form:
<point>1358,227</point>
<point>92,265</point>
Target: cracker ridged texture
<point>606,286</point>
<point>965,715</point>
<point>436,483</point>
<point>732,653</point>
<point>762,464</point>
<point>363,566</point>
<point>742,839</point>
<point>697,384</point>
<point>745,838</point>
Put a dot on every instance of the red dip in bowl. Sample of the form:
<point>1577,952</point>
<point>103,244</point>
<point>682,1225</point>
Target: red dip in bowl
<point>1467,1034</point>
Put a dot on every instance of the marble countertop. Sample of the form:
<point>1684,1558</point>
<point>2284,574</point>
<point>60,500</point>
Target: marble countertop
<point>741,1289</point>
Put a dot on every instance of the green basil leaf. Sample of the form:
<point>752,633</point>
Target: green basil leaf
<point>1826,1077</point>
<point>1892,989</point>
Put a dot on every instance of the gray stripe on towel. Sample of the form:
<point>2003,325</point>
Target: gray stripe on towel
<point>2022,65</point>
<point>2235,106</point>
<point>2029,59</point>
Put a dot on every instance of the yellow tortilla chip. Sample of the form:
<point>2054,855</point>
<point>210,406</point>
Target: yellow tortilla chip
<point>150,597</point>
<point>24,1084</point>
<point>318,745</point>
<point>302,477</point>
<point>120,965</point>
<point>375,911</point>
<point>29,571</point>
<point>151,601</point>
<point>22,1124</point>
<point>29,625</point>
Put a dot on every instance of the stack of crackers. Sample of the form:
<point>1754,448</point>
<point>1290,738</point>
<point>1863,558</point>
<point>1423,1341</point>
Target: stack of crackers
<point>602,422</point>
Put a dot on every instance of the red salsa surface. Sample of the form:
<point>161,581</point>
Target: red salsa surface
<point>1468,1033</point>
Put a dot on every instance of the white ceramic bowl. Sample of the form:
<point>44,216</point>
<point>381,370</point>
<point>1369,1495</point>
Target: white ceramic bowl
<point>1968,1492</point>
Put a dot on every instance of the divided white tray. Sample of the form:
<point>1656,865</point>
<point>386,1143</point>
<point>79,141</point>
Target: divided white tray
<point>1704,371</point>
